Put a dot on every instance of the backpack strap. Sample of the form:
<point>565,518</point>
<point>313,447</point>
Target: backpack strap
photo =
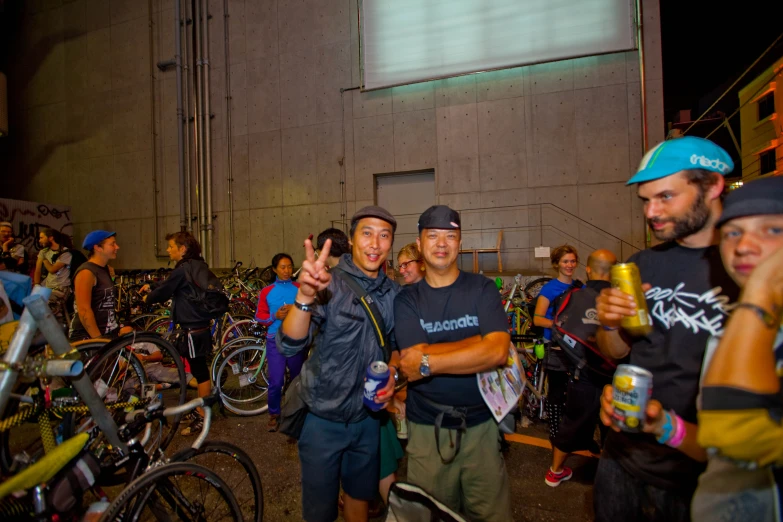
<point>370,308</point>
<point>562,301</point>
<point>562,304</point>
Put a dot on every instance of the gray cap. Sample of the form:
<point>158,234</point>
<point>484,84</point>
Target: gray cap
<point>376,212</point>
<point>759,197</point>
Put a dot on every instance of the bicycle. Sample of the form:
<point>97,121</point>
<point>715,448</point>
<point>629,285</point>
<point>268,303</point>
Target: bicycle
<point>123,446</point>
<point>119,378</point>
<point>517,301</point>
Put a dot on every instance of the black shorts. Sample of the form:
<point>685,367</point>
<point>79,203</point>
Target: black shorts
<point>195,343</point>
<point>577,427</point>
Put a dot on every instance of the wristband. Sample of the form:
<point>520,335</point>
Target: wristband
<point>769,319</point>
<point>668,428</point>
<point>679,434</point>
<point>609,328</point>
<point>304,307</point>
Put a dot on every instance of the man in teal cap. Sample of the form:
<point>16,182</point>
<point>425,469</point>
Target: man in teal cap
<point>652,475</point>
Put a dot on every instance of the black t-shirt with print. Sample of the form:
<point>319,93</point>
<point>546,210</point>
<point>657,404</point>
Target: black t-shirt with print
<point>422,314</point>
<point>689,301</point>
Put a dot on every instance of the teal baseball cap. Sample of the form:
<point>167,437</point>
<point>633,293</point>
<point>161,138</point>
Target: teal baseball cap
<point>688,152</point>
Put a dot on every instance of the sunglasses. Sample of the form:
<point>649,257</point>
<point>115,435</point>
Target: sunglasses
<point>404,266</point>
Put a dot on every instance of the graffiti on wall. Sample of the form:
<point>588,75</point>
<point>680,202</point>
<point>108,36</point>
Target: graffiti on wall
<point>29,218</point>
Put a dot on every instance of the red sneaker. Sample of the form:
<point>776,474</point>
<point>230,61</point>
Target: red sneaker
<point>554,479</point>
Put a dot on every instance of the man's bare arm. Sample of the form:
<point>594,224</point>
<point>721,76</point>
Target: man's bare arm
<point>52,268</point>
<point>439,348</point>
<point>483,354</point>
<point>37,274</point>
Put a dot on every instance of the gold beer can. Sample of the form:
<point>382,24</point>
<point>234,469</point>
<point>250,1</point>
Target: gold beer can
<point>625,277</point>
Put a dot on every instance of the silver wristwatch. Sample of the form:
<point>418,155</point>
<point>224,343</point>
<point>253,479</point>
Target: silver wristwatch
<point>424,367</point>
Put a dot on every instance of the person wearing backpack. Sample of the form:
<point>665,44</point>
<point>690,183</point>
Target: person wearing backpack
<point>565,260</point>
<point>575,322</point>
<point>191,286</point>
<point>55,260</point>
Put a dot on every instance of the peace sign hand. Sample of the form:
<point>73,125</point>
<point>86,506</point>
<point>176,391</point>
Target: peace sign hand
<point>314,276</point>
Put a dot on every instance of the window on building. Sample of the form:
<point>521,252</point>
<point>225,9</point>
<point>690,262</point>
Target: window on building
<point>767,160</point>
<point>766,106</point>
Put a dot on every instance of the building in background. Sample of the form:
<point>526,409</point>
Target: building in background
<point>761,107</point>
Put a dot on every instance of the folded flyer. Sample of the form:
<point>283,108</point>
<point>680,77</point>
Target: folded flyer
<point>502,387</point>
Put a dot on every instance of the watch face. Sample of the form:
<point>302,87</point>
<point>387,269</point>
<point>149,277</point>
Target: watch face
<point>424,369</point>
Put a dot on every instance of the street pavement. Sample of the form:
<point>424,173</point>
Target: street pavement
<point>532,499</point>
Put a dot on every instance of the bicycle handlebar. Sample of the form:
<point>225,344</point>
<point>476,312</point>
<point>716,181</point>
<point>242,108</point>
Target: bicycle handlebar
<point>138,419</point>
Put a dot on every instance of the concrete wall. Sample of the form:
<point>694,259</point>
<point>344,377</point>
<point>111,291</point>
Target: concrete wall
<point>566,133</point>
<point>759,136</point>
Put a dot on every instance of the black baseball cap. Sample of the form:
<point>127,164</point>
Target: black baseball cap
<point>755,198</point>
<point>376,212</point>
<point>439,216</point>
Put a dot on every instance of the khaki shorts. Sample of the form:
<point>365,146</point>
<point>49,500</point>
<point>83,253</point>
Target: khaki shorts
<point>474,483</point>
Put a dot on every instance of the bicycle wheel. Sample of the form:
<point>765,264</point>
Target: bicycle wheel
<point>236,468</point>
<point>241,328</point>
<point>178,491</point>
<point>120,375</point>
<point>228,347</point>
<point>242,382</point>
<point>162,326</point>
<point>534,287</point>
<point>141,322</point>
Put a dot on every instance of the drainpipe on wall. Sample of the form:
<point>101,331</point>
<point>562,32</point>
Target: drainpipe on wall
<point>640,40</point>
<point>227,65</point>
<point>186,121</point>
<point>183,194</point>
<point>199,124</point>
<point>154,137</point>
<point>643,95</point>
<point>207,136</point>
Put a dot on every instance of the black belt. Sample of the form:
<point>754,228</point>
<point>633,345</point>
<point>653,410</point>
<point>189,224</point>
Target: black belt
<point>196,330</point>
<point>455,412</point>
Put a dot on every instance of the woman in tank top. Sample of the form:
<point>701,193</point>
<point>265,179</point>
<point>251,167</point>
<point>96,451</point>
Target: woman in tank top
<point>94,290</point>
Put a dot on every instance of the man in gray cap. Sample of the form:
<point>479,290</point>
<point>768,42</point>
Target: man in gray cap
<point>652,475</point>
<point>741,387</point>
<point>339,442</point>
<point>451,326</point>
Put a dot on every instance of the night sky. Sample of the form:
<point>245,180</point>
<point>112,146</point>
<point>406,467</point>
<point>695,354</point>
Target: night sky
<point>706,43</point>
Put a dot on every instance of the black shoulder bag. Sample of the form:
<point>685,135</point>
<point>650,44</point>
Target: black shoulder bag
<point>370,308</point>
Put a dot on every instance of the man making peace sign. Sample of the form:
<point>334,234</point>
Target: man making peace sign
<point>339,442</point>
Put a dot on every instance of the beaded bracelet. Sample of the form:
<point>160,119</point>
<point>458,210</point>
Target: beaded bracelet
<point>679,433</point>
<point>668,427</point>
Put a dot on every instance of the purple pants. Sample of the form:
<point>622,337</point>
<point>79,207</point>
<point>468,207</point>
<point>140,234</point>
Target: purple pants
<point>276,365</point>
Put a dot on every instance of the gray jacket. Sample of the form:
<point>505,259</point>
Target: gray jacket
<point>344,345</point>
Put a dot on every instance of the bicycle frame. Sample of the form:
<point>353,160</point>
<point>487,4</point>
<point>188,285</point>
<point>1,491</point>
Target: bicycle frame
<point>37,315</point>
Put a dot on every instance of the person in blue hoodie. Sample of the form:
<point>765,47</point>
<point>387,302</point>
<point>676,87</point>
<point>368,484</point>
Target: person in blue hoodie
<point>274,302</point>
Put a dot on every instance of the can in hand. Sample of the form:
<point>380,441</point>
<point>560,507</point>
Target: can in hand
<point>377,377</point>
<point>631,391</point>
<point>625,277</point>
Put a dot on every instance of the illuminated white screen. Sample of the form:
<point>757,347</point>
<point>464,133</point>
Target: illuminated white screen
<point>409,41</point>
